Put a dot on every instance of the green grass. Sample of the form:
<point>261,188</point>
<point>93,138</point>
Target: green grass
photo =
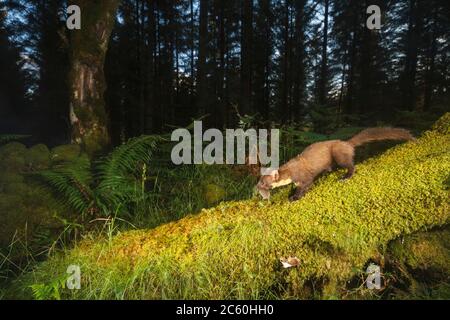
<point>175,192</point>
<point>47,197</point>
<point>233,250</point>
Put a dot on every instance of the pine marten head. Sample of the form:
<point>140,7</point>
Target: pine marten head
<point>273,180</point>
<point>266,182</point>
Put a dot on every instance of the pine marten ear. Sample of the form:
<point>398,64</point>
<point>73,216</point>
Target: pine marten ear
<point>275,175</point>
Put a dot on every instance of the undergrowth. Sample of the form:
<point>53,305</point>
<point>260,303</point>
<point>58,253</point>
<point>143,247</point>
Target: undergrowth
<point>233,250</point>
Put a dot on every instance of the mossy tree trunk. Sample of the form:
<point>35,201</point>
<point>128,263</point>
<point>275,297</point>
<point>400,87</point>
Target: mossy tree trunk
<point>87,80</point>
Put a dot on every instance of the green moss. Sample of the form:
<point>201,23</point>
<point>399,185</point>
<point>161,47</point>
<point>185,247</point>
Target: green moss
<point>38,157</point>
<point>11,217</point>
<point>12,157</point>
<point>13,163</point>
<point>15,188</point>
<point>214,193</point>
<point>233,250</point>
<point>424,251</point>
<point>443,124</point>
<point>23,205</point>
<point>94,142</point>
<point>15,148</point>
<point>65,153</point>
<point>10,177</point>
<point>23,208</point>
<point>421,265</point>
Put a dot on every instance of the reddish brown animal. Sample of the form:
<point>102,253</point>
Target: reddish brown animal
<point>320,157</point>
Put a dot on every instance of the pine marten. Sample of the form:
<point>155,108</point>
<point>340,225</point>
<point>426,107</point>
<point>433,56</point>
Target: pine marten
<point>320,157</point>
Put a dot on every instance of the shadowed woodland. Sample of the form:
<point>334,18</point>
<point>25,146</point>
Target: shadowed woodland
<point>171,61</point>
<point>85,123</point>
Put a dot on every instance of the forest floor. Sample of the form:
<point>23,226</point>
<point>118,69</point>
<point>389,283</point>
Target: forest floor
<point>233,250</point>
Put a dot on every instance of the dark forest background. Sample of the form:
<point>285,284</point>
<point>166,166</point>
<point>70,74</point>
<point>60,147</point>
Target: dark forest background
<point>309,62</point>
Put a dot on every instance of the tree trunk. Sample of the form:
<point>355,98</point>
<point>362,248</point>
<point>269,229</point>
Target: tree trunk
<point>221,70</point>
<point>201,69</point>
<point>349,108</point>
<point>192,39</point>
<point>263,49</point>
<point>430,69</point>
<point>246,57</point>
<point>86,79</point>
<point>286,85</point>
<point>299,65</point>
<point>53,93</point>
<point>410,71</point>
<point>150,85</point>
<point>322,94</point>
<point>141,47</point>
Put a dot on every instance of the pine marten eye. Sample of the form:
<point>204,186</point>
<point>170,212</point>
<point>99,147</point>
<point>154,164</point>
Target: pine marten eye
<point>262,184</point>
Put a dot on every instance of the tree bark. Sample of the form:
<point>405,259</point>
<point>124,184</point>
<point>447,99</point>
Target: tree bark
<point>192,39</point>
<point>431,65</point>
<point>410,71</point>
<point>151,51</point>
<point>263,50</point>
<point>246,56</point>
<point>349,108</point>
<point>221,115</point>
<point>201,69</point>
<point>86,78</point>
<point>322,94</point>
<point>286,83</point>
<point>299,65</point>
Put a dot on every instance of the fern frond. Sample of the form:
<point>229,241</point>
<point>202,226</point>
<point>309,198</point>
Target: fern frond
<point>125,157</point>
<point>114,183</point>
<point>72,182</point>
<point>117,172</point>
<point>4,138</point>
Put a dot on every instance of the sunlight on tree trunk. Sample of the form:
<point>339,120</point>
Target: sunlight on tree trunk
<point>87,80</point>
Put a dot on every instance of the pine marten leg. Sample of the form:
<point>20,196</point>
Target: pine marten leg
<point>301,190</point>
<point>350,172</point>
<point>343,156</point>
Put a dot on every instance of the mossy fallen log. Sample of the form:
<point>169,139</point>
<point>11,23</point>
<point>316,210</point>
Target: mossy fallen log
<point>233,250</point>
<point>27,211</point>
<point>420,265</point>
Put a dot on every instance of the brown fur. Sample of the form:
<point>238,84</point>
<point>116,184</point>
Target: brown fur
<point>320,157</point>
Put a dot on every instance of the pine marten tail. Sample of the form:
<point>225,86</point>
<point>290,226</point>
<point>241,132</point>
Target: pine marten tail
<point>377,134</point>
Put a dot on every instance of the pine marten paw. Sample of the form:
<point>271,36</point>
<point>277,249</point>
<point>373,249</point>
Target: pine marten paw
<point>345,178</point>
<point>290,262</point>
